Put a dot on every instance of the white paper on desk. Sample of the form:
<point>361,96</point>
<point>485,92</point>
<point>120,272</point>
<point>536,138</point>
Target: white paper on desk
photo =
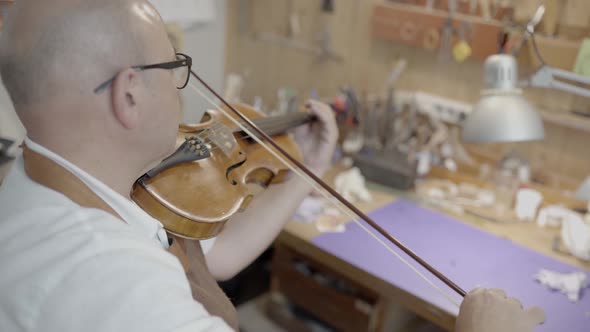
<point>569,284</point>
<point>575,234</point>
<point>185,13</point>
<point>309,210</point>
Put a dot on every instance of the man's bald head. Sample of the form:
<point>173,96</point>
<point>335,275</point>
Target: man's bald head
<point>66,48</point>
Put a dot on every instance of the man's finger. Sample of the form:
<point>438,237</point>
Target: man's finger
<point>515,302</point>
<point>498,292</point>
<point>326,121</point>
<point>477,291</point>
<point>472,296</point>
<point>301,131</point>
<point>321,110</point>
<point>537,315</point>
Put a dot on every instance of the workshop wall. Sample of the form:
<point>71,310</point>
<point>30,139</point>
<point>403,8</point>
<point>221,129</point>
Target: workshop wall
<point>366,62</point>
<point>204,42</point>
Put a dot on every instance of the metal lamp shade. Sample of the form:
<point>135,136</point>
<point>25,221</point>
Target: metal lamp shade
<point>503,118</point>
<point>502,114</point>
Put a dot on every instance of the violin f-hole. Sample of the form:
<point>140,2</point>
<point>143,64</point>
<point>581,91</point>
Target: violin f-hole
<point>233,167</point>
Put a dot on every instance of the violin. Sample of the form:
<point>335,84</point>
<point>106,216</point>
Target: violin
<point>222,158</point>
<point>216,160</point>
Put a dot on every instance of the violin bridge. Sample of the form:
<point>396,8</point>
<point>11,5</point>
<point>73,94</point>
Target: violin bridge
<point>222,137</point>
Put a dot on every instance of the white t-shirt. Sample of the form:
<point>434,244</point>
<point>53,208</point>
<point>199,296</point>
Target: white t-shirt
<point>68,268</point>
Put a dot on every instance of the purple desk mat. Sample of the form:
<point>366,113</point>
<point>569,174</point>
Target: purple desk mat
<point>468,256</point>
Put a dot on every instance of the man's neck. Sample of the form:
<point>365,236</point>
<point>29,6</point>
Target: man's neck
<point>115,170</point>
<point>116,176</point>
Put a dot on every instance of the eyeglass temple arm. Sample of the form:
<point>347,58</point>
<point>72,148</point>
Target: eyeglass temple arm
<point>104,85</point>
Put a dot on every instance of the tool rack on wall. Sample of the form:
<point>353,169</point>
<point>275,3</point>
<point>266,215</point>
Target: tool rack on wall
<point>436,26</point>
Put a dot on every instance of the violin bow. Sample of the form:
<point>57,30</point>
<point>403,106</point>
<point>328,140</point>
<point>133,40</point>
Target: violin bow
<point>335,194</point>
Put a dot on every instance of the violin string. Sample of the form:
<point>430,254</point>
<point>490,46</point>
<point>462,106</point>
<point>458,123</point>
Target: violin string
<point>329,197</point>
<point>273,122</point>
<point>218,147</point>
<point>206,140</point>
<point>209,135</point>
<point>213,134</point>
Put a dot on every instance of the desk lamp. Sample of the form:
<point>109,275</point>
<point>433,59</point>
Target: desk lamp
<point>503,114</point>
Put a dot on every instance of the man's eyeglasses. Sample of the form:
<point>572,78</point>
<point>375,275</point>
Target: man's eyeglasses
<point>181,67</point>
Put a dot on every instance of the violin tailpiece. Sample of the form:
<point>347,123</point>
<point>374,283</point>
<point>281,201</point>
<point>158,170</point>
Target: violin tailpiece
<point>192,149</point>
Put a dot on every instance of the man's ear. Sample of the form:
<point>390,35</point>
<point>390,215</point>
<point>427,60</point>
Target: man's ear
<point>125,97</point>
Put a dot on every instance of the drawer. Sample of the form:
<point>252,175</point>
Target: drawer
<point>323,293</point>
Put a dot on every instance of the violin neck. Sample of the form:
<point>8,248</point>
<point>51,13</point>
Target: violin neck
<point>275,125</point>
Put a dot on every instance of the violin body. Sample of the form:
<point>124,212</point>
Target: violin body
<point>195,199</point>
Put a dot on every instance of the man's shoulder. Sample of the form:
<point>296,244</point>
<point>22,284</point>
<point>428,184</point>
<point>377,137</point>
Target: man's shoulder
<point>47,250</point>
<point>37,215</point>
<point>53,221</point>
<point>53,234</point>
<point>55,239</point>
<point>66,230</point>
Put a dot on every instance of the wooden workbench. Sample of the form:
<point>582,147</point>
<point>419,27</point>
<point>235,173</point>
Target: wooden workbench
<point>295,244</point>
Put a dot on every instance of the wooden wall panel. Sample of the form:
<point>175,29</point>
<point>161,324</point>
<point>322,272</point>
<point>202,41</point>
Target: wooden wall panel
<point>366,64</point>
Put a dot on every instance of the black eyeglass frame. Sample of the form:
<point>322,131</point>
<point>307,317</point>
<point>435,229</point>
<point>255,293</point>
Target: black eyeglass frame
<point>170,65</point>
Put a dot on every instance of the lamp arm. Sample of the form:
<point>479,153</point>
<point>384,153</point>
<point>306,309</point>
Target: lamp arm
<point>571,89</point>
<point>546,76</point>
<point>568,75</point>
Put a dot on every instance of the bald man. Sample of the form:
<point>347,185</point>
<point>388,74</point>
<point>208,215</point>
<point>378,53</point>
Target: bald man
<point>76,253</point>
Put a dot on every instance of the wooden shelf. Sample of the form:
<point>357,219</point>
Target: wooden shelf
<point>419,27</point>
<point>567,120</point>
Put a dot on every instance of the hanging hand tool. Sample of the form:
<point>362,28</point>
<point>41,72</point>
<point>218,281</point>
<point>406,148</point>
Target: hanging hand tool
<point>444,54</point>
<point>462,49</point>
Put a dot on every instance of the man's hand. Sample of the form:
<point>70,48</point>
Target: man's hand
<point>490,310</point>
<point>318,139</point>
